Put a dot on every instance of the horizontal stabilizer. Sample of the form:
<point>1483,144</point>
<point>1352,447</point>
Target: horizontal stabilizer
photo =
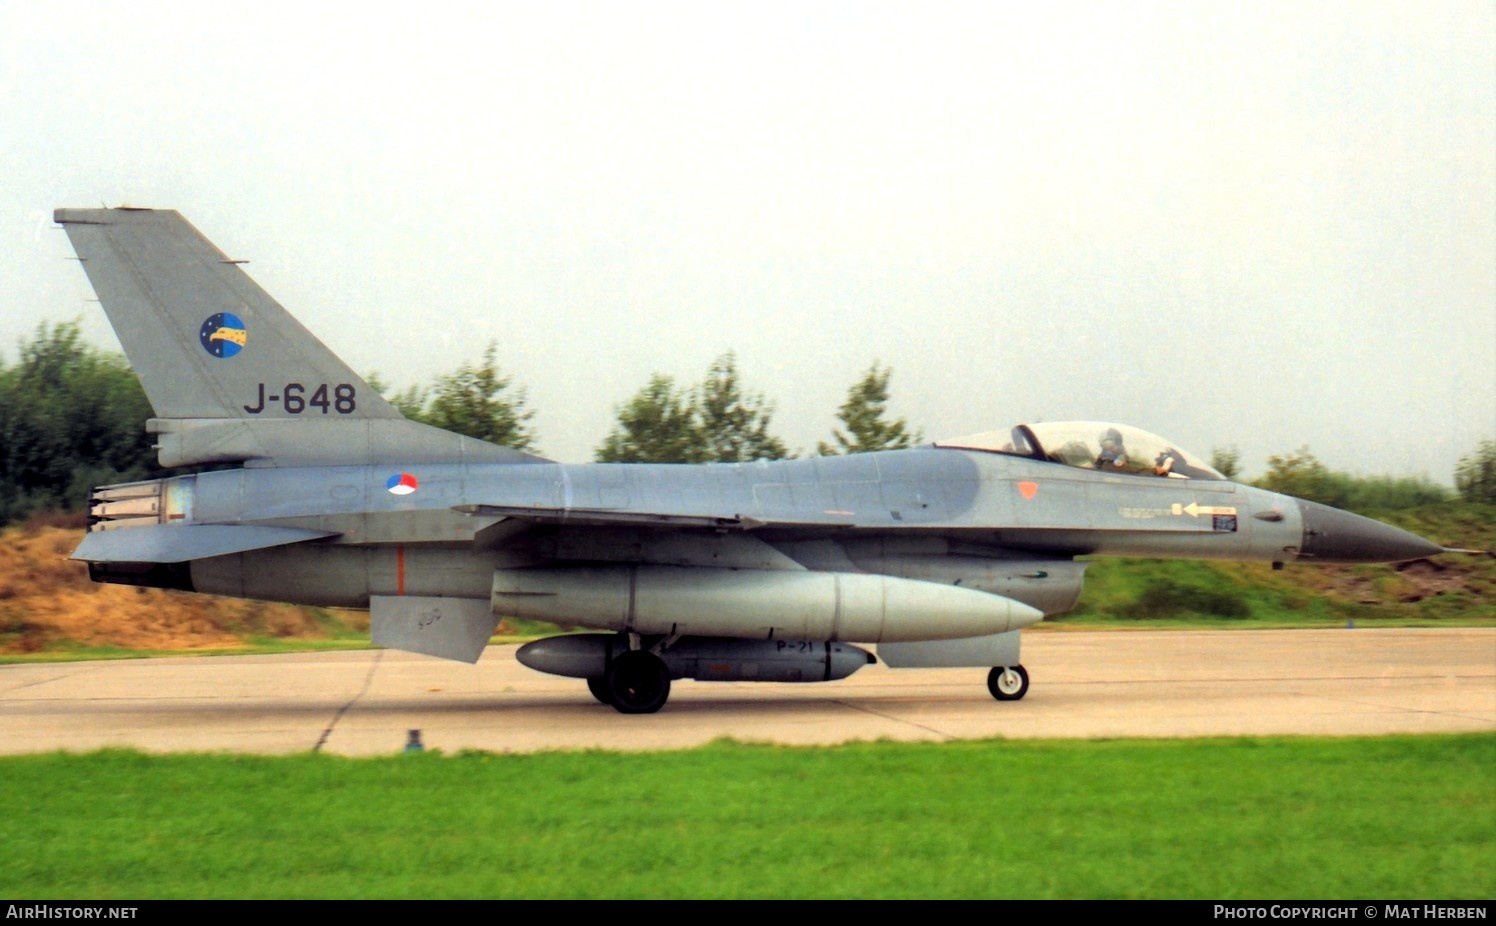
<point>179,543</point>
<point>448,628</point>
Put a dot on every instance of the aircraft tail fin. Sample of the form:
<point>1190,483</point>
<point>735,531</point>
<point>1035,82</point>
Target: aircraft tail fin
<point>231,375</point>
<point>204,338</point>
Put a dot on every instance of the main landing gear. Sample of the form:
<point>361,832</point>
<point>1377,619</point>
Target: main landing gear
<point>636,682</point>
<point>598,685</point>
<point>1008,683</point>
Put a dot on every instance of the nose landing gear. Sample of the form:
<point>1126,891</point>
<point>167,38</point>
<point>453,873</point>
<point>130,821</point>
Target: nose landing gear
<point>1008,683</point>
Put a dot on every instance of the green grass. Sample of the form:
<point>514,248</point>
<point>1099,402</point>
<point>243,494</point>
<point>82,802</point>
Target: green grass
<point>1394,817</point>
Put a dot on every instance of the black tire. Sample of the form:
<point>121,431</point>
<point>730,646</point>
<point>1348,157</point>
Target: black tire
<point>598,685</point>
<point>1006,687</point>
<point>638,682</point>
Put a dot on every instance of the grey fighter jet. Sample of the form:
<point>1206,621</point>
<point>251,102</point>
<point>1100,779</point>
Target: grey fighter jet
<point>765,571</point>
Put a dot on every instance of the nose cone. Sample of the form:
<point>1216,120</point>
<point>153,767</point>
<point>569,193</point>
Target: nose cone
<point>1335,536</point>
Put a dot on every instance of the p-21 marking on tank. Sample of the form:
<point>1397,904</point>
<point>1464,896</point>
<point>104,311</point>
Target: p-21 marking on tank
<point>765,571</point>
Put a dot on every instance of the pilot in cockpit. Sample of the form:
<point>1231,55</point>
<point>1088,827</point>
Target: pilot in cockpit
<point>1164,465</point>
<point>1092,445</point>
<point>1113,454</point>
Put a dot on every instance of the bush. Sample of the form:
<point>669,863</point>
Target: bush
<point>1166,599</point>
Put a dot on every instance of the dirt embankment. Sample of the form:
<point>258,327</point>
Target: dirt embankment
<point>46,599</point>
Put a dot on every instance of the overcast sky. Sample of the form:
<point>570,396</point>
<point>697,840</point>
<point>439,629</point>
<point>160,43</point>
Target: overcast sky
<point>1264,224</point>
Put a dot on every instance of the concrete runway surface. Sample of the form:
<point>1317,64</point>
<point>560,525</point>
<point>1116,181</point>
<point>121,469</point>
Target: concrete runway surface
<point>1086,684</point>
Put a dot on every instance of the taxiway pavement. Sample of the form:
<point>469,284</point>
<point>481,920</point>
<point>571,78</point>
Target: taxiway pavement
<point>1085,684</point>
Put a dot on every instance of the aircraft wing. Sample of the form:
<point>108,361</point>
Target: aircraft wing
<point>179,543</point>
<point>612,517</point>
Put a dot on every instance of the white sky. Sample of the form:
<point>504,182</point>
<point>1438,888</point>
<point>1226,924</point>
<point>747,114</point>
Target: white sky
<point>1264,224</point>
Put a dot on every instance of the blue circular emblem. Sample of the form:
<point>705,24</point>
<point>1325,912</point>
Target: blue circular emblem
<point>223,335</point>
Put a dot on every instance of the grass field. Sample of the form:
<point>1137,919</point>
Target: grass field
<point>1390,817</point>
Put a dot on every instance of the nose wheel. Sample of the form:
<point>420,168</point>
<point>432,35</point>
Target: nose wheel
<point>1008,683</point>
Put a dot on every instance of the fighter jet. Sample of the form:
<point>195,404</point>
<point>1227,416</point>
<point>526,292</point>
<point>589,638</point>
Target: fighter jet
<point>765,571</point>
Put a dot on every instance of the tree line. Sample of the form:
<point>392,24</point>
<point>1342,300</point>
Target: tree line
<point>716,420</point>
<point>72,417</point>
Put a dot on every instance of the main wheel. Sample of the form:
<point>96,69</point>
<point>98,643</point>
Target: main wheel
<point>1008,683</point>
<point>638,682</point>
<point>598,685</point>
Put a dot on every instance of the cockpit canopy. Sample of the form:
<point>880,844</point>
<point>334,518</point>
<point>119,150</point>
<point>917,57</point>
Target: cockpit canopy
<point>1094,445</point>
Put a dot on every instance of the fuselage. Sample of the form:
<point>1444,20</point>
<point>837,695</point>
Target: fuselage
<point>938,514</point>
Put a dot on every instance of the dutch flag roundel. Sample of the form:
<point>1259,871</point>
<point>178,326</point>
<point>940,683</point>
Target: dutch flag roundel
<point>401,484</point>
